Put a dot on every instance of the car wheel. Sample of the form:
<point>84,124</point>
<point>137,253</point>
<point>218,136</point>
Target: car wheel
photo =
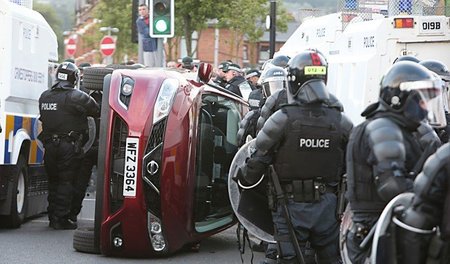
<point>93,77</point>
<point>19,198</point>
<point>83,240</point>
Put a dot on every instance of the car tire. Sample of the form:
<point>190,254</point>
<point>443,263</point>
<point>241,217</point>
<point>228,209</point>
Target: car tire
<point>19,199</point>
<point>83,240</point>
<point>93,77</point>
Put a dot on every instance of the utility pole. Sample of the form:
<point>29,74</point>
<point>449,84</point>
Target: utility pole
<point>273,26</point>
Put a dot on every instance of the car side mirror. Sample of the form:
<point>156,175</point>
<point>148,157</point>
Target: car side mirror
<point>204,72</point>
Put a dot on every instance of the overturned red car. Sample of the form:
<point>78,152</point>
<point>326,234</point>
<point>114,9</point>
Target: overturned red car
<point>167,139</point>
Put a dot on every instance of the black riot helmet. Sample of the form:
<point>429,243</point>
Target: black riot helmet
<point>306,65</point>
<point>68,72</point>
<point>438,67</point>
<point>407,88</point>
<point>274,79</point>
<point>407,58</point>
<point>280,60</point>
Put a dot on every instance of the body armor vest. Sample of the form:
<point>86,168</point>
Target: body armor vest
<point>59,116</point>
<point>313,146</point>
<point>361,189</point>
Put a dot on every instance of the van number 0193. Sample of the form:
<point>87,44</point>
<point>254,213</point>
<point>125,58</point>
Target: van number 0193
<point>431,25</point>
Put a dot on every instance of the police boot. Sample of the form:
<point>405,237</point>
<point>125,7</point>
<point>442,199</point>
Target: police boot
<point>64,224</point>
<point>268,261</point>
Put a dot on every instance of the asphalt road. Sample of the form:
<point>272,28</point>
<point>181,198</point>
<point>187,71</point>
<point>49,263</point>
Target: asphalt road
<point>35,242</point>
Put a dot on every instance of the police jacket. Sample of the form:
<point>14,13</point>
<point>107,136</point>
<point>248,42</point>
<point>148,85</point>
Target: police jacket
<point>234,85</point>
<point>431,204</point>
<point>278,98</point>
<point>247,126</point>
<point>64,109</point>
<point>299,139</point>
<point>255,99</point>
<point>381,159</point>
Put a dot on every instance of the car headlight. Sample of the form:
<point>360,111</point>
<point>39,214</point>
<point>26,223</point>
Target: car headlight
<point>164,100</point>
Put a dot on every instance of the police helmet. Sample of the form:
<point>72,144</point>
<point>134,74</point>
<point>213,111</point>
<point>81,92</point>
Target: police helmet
<point>408,88</point>
<point>438,67</point>
<point>280,60</point>
<point>67,71</point>
<point>306,65</point>
<point>407,58</point>
<point>274,79</point>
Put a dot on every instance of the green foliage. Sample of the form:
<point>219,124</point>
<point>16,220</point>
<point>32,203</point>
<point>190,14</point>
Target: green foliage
<point>116,13</point>
<point>49,13</point>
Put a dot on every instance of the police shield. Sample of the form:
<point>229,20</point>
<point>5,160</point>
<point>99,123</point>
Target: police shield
<point>250,203</point>
<point>382,249</point>
<point>91,134</point>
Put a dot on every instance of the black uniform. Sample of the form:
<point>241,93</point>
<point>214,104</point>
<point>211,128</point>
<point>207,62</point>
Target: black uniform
<point>385,151</point>
<point>430,208</point>
<point>237,83</point>
<point>63,112</point>
<point>297,140</point>
<point>90,159</point>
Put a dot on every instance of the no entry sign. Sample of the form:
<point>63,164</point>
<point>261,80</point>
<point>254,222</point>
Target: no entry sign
<point>107,46</point>
<point>71,46</point>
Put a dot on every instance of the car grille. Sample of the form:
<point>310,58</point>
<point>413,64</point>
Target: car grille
<point>152,167</point>
<point>119,137</point>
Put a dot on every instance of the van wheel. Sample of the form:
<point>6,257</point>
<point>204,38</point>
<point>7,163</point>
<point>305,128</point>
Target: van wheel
<point>19,199</point>
<point>83,240</point>
<point>93,77</point>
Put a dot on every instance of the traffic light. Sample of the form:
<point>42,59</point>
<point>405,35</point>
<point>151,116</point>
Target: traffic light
<point>162,18</point>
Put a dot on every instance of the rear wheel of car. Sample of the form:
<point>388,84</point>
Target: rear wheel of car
<point>19,199</point>
<point>93,77</point>
<point>83,240</point>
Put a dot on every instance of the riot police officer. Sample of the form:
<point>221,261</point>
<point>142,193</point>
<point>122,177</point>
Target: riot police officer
<point>430,208</point>
<point>297,140</point>
<point>236,83</point>
<point>63,112</point>
<point>385,152</point>
<point>274,79</point>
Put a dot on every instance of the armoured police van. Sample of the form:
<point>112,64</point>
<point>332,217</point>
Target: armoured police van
<point>360,48</point>
<point>28,52</point>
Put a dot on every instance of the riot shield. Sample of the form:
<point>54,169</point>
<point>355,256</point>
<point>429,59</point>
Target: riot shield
<point>383,246</point>
<point>250,204</point>
<point>91,133</point>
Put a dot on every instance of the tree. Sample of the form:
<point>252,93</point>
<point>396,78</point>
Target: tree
<point>246,18</point>
<point>49,13</point>
<point>117,13</point>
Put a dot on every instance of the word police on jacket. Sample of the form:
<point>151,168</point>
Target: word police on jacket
<point>314,142</point>
<point>49,106</point>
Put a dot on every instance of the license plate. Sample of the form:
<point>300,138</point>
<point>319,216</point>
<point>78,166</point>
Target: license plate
<point>431,26</point>
<point>130,169</point>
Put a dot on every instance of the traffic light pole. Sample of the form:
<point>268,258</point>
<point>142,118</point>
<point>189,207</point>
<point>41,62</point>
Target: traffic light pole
<point>273,26</point>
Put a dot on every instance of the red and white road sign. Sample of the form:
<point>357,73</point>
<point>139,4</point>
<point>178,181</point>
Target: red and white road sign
<point>107,46</point>
<point>71,46</point>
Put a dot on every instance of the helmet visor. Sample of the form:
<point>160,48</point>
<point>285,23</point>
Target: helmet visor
<point>274,85</point>
<point>430,92</point>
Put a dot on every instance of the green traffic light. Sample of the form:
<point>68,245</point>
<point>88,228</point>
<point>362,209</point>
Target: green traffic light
<point>161,25</point>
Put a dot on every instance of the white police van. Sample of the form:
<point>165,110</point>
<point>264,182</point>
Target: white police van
<point>28,55</point>
<point>360,47</point>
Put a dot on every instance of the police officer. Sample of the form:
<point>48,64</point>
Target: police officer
<point>430,208</point>
<point>220,78</point>
<point>384,152</point>
<point>63,112</point>
<point>274,79</point>
<point>442,71</point>
<point>298,139</point>
<point>236,83</point>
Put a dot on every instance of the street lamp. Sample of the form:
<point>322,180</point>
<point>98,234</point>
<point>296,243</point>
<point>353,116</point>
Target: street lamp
<point>109,30</point>
<point>273,26</point>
